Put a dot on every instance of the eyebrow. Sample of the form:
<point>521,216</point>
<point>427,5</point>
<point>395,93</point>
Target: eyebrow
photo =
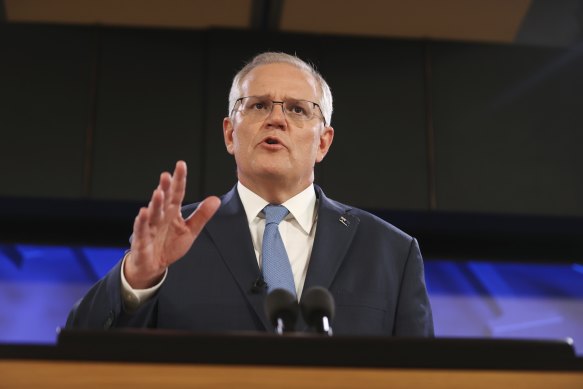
<point>266,96</point>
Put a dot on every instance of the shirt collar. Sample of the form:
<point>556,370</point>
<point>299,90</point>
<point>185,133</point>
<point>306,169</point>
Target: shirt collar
<point>302,206</point>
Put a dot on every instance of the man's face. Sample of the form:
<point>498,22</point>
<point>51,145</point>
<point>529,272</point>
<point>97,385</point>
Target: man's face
<point>277,149</point>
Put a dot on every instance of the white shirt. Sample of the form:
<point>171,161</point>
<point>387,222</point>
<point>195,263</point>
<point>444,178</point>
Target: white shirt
<point>297,231</point>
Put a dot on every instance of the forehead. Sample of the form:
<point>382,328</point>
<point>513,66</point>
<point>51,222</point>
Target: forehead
<point>280,80</point>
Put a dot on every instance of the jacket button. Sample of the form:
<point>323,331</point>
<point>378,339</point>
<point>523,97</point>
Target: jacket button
<point>109,321</point>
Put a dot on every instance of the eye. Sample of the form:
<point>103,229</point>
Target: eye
<point>256,104</point>
<point>298,110</point>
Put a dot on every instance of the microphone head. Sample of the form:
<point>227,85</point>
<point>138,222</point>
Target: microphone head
<point>281,304</point>
<point>316,303</point>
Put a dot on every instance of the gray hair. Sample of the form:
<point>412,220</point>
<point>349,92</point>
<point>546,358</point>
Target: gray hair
<point>273,57</point>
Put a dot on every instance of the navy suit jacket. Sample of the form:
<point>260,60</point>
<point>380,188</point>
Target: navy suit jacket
<point>373,270</point>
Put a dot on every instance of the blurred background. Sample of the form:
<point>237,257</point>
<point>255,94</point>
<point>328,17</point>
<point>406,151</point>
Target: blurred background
<point>459,121</point>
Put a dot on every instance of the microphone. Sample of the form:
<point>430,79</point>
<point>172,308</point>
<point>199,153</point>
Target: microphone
<point>282,310</point>
<point>317,307</point>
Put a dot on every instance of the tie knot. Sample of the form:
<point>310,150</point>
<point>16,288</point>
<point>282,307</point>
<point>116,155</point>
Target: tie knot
<point>274,213</point>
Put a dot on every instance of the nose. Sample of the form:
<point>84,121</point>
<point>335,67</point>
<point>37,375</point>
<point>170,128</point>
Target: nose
<point>277,116</point>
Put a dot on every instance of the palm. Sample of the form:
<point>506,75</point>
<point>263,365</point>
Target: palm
<point>178,240</point>
<point>165,245</point>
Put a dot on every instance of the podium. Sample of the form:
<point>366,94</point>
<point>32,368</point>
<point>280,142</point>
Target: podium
<point>167,359</point>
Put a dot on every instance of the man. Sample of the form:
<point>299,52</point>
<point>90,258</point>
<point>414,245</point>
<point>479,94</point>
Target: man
<point>201,267</point>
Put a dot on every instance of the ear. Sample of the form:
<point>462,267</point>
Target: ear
<point>326,138</point>
<point>228,134</point>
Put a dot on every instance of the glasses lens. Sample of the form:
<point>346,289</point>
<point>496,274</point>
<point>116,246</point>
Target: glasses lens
<point>301,110</point>
<point>255,104</point>
<point>255,108</point>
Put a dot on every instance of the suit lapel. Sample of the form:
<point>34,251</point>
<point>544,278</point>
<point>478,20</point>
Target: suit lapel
<point>230,233</point>
<point>335,230</point>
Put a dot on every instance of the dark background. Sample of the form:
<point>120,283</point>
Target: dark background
<point>472,147</point>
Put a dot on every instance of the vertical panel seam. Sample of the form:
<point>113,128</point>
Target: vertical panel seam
<point>92,114</point>
<point>266,14</point>
<point>204,113</point>
<point>430,128</point>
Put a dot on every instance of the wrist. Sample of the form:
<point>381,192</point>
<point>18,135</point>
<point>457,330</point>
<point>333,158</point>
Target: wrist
<point>138,277</point>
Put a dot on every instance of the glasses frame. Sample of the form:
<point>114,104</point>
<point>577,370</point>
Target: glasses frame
<point>282,102</point>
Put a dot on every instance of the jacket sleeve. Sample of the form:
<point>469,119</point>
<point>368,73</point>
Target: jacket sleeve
<point>414,316</point>
<point>102,307</point>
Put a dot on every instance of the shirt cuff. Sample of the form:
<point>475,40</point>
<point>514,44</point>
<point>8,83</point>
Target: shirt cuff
<point>134,298</point>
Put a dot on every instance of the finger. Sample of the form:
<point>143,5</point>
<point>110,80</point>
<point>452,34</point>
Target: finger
<point>164,185</point>
<point>155,208</point>
<point>200,217</point>
<point>140,227</point>
<point>178,187</point>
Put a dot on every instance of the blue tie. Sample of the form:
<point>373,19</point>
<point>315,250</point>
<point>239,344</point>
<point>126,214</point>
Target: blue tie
<point>277,270</point>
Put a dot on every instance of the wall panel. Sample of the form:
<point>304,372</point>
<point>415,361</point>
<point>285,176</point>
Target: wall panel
<point>44,84</point>
<point>149,111</point>
<point>509,129</point>
<point>507,122</point>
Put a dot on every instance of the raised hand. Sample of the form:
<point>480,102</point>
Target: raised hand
<point>161,235</point>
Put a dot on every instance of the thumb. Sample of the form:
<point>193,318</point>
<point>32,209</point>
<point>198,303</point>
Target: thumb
<point>203,213</point>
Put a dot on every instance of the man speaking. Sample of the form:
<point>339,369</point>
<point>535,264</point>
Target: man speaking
<point>208,266</point>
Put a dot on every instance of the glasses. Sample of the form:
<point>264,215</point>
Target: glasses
<point>257,109</point>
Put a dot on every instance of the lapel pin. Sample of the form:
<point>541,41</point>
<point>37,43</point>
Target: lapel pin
<point>344,221</point>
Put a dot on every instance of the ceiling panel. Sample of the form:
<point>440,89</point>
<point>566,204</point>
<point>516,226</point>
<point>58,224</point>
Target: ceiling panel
<point>154,13</point>
<point>473,20</point>
<point>462,20</point>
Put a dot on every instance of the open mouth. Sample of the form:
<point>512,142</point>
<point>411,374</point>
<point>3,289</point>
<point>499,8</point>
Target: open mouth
<point>271,141</point>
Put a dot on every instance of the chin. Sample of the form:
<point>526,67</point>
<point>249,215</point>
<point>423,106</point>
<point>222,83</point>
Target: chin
<point>271,167</point>
<point>274,172</point>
